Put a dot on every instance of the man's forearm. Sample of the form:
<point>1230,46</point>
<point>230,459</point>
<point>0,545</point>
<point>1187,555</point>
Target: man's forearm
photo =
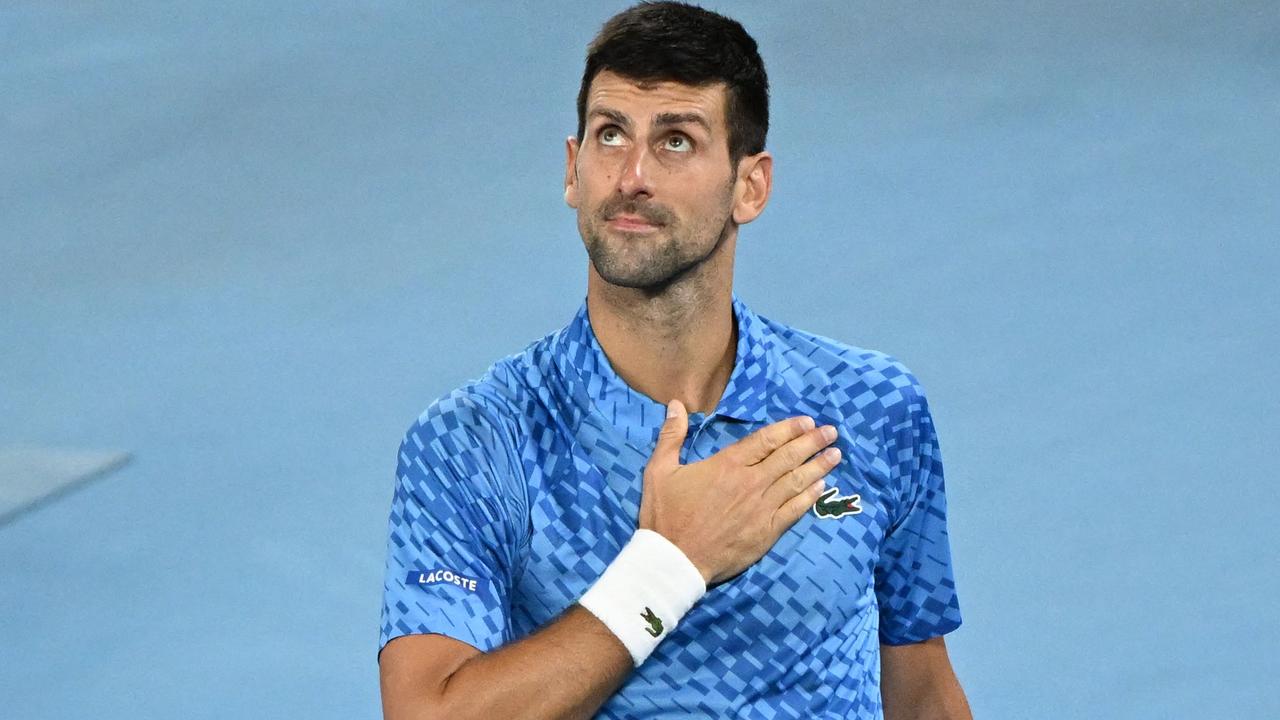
<point>941,699</point>
<point>567,669</point>
<point>941,704</point>
<point>917,682</point>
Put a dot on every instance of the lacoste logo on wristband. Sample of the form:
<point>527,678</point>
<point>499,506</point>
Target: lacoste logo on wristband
<point>655,622</point>
<point>830,505</point>
<point>434,577</point>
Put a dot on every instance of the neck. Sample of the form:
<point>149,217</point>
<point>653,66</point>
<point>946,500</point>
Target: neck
<point>679,343</point>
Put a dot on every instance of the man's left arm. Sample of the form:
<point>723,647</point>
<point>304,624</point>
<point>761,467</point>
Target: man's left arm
<point>915,585</point>
<point>917,683</point>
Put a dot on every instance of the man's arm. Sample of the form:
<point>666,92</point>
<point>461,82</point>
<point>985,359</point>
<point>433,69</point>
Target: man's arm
<point>570,667</point>
<point>567,669</point>
<point>917,683</point>
<point>915,585</point>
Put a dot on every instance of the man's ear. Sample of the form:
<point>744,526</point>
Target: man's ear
<point>570,174</point>
<point>755,181</point>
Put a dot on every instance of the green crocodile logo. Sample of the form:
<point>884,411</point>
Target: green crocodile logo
<point>655,622</point>
<point>830,505</point>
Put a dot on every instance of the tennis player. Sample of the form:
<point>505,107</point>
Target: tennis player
<point>672,507</point>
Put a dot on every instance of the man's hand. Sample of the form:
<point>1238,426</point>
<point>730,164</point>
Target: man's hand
<point>725,512</point>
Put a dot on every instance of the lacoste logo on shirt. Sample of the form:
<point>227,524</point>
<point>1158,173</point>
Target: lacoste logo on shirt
<point>432,577</point>
<point>655,622</point>
<point>830,505</point>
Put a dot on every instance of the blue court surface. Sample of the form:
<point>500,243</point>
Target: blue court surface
<point>248,243</point>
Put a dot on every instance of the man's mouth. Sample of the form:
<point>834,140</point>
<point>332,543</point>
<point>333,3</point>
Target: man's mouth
<point>632,223</point>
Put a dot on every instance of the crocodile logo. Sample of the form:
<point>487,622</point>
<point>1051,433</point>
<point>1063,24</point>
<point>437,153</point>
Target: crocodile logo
<point>655,622</point>
<point>831,505</point>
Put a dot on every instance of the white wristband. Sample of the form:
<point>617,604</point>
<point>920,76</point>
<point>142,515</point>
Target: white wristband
<point>644,592</point>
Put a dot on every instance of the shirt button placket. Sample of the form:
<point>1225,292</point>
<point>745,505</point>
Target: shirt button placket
<point>698,433</point>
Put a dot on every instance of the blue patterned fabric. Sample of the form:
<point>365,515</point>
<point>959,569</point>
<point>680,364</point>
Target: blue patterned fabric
<point>516,490</point>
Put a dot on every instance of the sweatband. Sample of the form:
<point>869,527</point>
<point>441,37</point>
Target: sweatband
<point>644,592</point>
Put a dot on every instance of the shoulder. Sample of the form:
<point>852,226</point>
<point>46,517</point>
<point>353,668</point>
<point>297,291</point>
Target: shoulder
<point>462,450</point>
<point>478,414</point>
<point>487,411</point>
<point>862,384</point>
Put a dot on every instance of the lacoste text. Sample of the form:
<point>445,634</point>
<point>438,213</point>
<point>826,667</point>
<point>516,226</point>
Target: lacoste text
<point>432,577</point>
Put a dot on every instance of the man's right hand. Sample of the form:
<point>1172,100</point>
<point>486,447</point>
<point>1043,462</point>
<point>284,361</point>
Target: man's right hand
<point>726,511</point>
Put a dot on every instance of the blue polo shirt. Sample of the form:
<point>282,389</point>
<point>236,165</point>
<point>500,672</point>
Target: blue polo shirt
<point>516,491</point>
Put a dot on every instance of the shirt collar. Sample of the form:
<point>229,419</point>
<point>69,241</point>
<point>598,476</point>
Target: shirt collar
<point>745,396</point>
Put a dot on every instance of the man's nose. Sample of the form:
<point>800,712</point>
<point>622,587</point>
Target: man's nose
<point>634,177</point>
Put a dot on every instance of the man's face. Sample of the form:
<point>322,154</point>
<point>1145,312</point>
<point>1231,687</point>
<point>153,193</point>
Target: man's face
<point>651,180</point>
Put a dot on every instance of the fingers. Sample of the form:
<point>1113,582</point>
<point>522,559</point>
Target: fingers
<point>797,506</point>
<point>793,453</point>
<point>760,444</point>
<point>797,481</point>
<point>666,454</point>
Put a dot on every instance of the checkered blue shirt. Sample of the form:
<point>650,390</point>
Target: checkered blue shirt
<point>515,491</point>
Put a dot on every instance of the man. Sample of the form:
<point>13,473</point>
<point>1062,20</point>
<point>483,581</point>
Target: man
<point>629,519</point>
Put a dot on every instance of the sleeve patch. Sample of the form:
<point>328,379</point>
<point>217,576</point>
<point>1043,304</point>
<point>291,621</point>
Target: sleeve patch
<point>422,578</point>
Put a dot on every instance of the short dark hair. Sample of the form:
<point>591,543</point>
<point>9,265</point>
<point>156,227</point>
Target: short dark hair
<point>675,41</point>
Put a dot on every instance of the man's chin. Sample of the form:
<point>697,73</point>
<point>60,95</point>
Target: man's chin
<point>649,277</point>
<point>635,262</point>
<point>634,281</point>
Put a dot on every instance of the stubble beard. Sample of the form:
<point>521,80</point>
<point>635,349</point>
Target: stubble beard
<point>652,261</point>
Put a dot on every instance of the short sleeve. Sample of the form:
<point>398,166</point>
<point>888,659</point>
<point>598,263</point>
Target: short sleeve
<point>452,542</point>
<point>915,585</point>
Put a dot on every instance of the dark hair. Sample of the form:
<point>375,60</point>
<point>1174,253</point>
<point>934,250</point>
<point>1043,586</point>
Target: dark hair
<point>675,41</point>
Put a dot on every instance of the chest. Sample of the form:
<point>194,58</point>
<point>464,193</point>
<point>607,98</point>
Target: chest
<point>584,501</point>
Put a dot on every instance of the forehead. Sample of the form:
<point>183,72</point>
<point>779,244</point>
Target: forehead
<point>641,99</point>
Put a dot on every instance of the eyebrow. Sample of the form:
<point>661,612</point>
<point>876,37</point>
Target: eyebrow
<point>613,115</point>
<point>669,118</point>
<point>660,120</point>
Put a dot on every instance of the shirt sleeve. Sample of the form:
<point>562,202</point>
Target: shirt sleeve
<point>452,543</point>
<point>915,586</point>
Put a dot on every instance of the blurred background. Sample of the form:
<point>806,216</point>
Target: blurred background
<point>247,243</point>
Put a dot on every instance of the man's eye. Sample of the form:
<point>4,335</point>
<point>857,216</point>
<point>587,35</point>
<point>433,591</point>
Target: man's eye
<point>610,136</point>
<point>679,143</point>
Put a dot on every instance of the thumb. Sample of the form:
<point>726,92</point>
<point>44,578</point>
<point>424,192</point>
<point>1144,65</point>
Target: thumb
<point>666,454</point>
